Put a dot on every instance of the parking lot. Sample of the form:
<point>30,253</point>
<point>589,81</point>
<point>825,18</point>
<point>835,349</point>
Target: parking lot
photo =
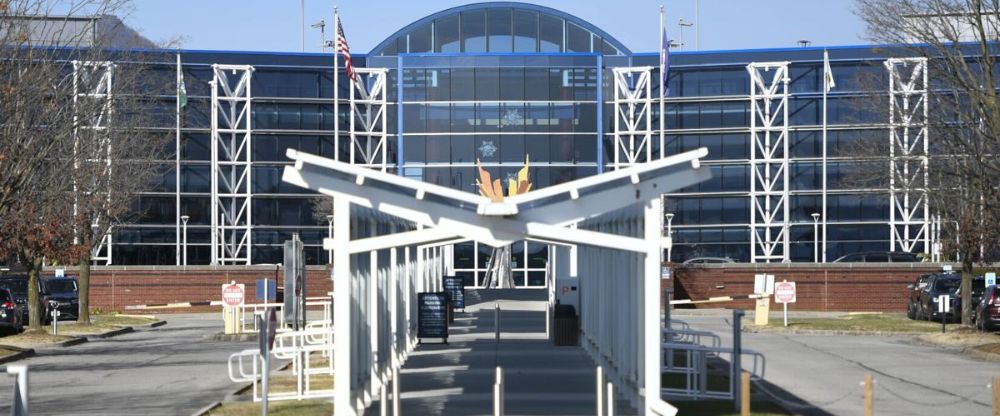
<point>169,370</point>
<point>822,374</point>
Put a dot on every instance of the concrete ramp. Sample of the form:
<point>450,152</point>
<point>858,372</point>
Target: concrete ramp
<point>540,379</point>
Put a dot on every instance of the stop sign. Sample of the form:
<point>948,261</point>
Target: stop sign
<point>784,292</point>
<point>232,294</point>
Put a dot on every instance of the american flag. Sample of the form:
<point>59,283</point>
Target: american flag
<point>343,47</point>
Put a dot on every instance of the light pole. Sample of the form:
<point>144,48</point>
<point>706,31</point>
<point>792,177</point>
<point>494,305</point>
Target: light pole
<point>329,234</point>
<point>815,237</point>
<point>321,25</point>
<point>670,236</point>
<point>681,23</point>
<point>184,239</point>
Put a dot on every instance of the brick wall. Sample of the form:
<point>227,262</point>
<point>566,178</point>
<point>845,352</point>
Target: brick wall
<point>114,287</point>
<point>831,287</point>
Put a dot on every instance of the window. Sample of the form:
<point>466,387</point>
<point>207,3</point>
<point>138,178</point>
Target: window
<point>525,31</point>
<point>550,33</point>
<point>499,27</point>
<point>474,31</point>
<point>577,38</point>
<point>487,84</point>
<point>420,39</point>
<point>446,37</point>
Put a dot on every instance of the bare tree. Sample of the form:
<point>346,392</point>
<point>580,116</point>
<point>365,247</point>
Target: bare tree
<point>958,38</point>
<point>74,153</point>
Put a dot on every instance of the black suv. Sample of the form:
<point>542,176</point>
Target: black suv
<point>988,311</point>
<point>18,287</point>
<point>11,317</point>
<point>62,293</point>
<point>937,285</point>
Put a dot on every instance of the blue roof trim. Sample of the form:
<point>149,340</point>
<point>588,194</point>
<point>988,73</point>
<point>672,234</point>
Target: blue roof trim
<point>501,4</point>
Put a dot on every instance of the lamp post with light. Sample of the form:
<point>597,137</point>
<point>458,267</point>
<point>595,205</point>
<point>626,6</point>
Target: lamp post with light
<point>815,237</point>
<point>184,239</point>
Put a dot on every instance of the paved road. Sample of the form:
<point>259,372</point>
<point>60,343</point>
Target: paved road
<point>826,371</point>
<point>457,378</point>
<point>170,370</point>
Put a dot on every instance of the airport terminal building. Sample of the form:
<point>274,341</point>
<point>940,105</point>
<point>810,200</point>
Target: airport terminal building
<point>495,82</point>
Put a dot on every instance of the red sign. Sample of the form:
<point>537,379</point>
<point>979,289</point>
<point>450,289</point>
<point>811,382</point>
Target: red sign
<point>232,294</point>
<point>784,292</point>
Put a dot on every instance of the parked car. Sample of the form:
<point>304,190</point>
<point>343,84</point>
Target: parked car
<point>988,311</point>
<point>11,316</point>
<point>709,260</point>
<point>62,293</point>
<point>17,285</point>
<point>937,285</point>
<point>913,301</point>
<point>879,257</point>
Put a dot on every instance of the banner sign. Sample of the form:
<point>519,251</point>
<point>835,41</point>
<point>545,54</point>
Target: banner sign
<point>432,315</point>
<point>455,286</point>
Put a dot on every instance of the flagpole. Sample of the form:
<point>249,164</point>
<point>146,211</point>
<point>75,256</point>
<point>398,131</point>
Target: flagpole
<point>177,169</point>
<point>662,69</point>
<point>336,85</point>
<point>826,88</point>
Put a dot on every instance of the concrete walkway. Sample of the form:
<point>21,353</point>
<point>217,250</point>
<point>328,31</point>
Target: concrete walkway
<point>457,378</point>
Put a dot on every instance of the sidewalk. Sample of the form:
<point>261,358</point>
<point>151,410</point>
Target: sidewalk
<point>540,379</point>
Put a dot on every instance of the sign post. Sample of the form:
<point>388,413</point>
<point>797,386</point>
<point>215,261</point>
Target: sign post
<point>763,284</point>
<point>944,307</point>
<point>232,299</point>
<point>432,317</point>
<point>784,293</point>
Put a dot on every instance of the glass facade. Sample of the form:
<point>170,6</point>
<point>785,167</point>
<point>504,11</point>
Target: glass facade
<point>495,83</point>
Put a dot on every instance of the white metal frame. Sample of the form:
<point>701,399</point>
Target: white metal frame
<point>633,130</point>
<point>621,214</point>
<point>769,174</point>
<point>231,170</point>
<point>99,92</point>
<point>368,108</point>
<point>909,214</point>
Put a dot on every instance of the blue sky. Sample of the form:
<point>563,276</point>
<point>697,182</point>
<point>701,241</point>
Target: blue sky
<point>274,25</point>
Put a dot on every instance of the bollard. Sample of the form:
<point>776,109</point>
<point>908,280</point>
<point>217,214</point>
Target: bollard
<point>395,392</point>
<point>869,399</point>
<point>744,393</point>
<point>996,396</point>
<point>498,407</point>
<point>611,399</point>
<point>737,365</point>
<point>19,407</point>
<point>600,391</point>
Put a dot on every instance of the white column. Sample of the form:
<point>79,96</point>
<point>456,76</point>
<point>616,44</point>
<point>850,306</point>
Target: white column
<point>651,304</point>
<point>343,400</point>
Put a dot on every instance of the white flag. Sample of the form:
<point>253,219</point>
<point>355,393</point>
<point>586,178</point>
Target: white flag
<point>828,82</point>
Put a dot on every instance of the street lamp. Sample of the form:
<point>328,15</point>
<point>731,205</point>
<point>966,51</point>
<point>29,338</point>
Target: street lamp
<point>184,238</point>
<point>329,232</point>
<point>681,23</point>
<point>670,235</point>
<point>815,237</point>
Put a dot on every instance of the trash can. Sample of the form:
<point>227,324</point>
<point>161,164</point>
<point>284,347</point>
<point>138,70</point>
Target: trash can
<point>567,326</point>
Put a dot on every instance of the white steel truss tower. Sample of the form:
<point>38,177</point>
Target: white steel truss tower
<point>92,91</point>
<point>368,124</point>
<point>231,170</point>
<point>769,210</point>
<point>908,149</point>
<point>633,129</point>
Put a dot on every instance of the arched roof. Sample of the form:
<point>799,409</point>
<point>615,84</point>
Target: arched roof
<point>429,34</point>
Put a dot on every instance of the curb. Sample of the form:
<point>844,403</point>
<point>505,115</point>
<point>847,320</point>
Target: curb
<point>20,354</point>
<point>982,355</point>
<point>112,333</point>
<point>70,342</point>
<point>204,410</point>
<point>829,332</point>
<point>157,324</point>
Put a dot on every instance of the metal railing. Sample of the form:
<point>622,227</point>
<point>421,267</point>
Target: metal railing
<point>707,374</point>
<point>246,313</point>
